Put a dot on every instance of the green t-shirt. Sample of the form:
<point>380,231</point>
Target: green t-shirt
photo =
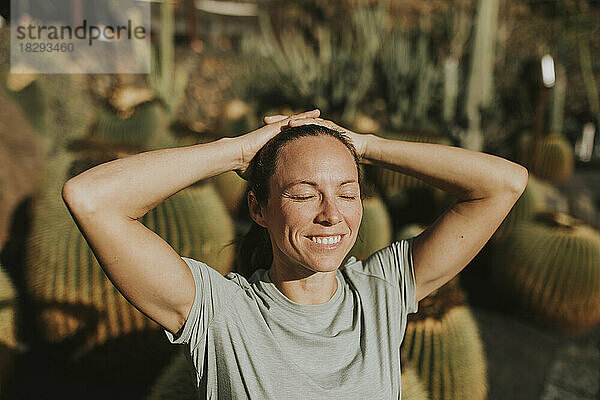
<point>246,340</point>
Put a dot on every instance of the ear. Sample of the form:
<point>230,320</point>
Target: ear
<point>256,211</point>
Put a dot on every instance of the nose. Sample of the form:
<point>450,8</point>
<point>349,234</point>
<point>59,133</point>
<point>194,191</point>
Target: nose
<point>329,214</point>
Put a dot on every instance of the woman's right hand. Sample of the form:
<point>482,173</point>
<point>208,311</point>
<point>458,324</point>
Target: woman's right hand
<point>252,142</point>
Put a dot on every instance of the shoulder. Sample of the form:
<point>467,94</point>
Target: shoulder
<point>383,263</point>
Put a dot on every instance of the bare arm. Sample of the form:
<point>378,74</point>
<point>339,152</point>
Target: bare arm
<point>486,186</point>
<point>106,202</point>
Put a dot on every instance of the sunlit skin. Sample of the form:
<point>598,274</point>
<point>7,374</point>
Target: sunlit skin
<point>313,192</point>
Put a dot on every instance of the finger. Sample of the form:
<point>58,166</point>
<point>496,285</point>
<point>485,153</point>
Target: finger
<point>305,121</point>
<point>269,119</point>
<point>308,114</point>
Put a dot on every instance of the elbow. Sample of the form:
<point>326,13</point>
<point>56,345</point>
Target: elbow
<point>518,180</point>
<point>75,198</point>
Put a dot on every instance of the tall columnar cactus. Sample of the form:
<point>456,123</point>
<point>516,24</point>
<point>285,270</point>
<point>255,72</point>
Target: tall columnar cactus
<point>410,75</point>
<point>375,230</point>
<point>480,85</point>
<point>77,307</point>
<point>334,75</point>
<point>530,202</point>
<point>442,341</point>
<point>8,339</point>
<point>550,267</point>
<point>556,159</point>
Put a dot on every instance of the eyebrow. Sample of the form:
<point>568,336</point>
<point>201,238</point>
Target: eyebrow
<point>314,183</point>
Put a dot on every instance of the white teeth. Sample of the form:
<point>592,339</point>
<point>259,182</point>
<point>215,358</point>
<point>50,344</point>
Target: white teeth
<point>326,240</point>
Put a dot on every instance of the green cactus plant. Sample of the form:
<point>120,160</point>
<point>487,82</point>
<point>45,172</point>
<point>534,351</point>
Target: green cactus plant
<point>147,121</point>
<point>556,159</point>
<point>550,267</point>
<point>412,387</point>
<point>391,182</point>
<point>232,189</point>
<point>34,102</point>
<point>375,230</point>
<point>77,307</point>
<point>410,75</point>
<point>333,70</point>
<point>442,341</point>
<point>8,339</point>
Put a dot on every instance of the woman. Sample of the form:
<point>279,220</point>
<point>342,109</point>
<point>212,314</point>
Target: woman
<point>300,326</point>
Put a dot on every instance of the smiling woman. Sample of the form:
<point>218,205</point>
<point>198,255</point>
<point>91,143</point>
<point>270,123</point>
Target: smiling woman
<point>294,323</point>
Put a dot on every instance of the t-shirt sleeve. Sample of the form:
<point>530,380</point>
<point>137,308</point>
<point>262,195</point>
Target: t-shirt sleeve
<point>212,291</point>
<point>397,266</point>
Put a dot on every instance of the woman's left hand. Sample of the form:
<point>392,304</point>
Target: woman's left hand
<point>358,140</point>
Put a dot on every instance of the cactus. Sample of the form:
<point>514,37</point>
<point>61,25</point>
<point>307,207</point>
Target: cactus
<point>550,266</point>
<point>480,86</point>
<point>34,102</point>
<point>232,190</point>
<point>375,230</point>
<point>412,387</point>
<point>556,160</point>
<point>8,340</point>
<point>530,202</point>
<point>148,121</point>
<point>391,182</point>
<point>410,76</point>
<point>336,74</point>
<point>442,342</point>
<point>77,307</point>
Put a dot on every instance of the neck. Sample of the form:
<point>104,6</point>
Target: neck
<point>304,287</point>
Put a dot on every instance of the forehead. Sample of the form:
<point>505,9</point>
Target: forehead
<point>320,159</point>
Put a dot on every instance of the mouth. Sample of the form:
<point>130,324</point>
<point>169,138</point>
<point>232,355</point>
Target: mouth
<point>330,242</point>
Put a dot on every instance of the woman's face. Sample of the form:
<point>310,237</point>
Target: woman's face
<point>314,209</point>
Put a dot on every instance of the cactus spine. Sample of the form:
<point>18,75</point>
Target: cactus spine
<point>442,342</point>
<point>550,266</point>
<point>76,305</point>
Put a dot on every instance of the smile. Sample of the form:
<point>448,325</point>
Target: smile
<point>326,242</point>
<point>326,239</point>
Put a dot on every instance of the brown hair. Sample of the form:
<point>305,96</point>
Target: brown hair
<point>254,249</point>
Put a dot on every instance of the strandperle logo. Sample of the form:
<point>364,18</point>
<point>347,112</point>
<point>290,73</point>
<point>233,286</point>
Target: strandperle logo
<point>75,37</point>
<point>91,32</point>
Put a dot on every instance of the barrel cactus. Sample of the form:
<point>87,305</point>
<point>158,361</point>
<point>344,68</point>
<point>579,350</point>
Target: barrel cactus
<point>550,267</point>
<point>146,121</point>
<point>8,340</point>
<point>412,387</point>
<point>32,99</point>
<point>555,161</point>
<point>375,230</point>
<point>232,189</point>
<point>442,341</point>
<point>78,310</point>
<point>22,156</point>
<point>392,182</point>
